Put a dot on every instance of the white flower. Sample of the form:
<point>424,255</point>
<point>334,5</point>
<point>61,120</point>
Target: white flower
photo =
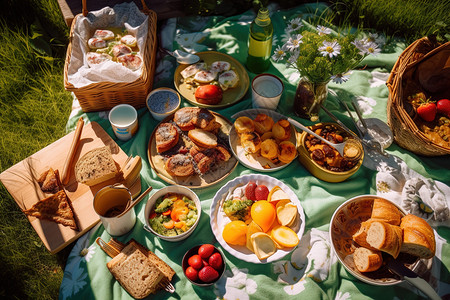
<point>340,296</point>
<point>340,78</point>
<point>372,48</point>
<point>378,39</point>
<point>366,104</point>
<point>330,48</point>
<point>292,60</point>
<point>294,25</point>
<point>280,53</point>
<point>360,45</point>
<point>323,30</point>
<point>378,79</point>
<point>235,285</point>
<point>73,282</point>
<point>294,42</point>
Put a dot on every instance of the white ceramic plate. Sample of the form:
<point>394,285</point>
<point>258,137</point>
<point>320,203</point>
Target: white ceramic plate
<point>219,218</point>
<point>255,161</point>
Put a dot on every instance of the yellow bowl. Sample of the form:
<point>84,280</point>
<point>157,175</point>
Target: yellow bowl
<point>316,169</point>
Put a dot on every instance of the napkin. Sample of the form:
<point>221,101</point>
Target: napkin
<point>413,192</point>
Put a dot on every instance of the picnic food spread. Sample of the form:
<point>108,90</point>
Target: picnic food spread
<point>268,221</point>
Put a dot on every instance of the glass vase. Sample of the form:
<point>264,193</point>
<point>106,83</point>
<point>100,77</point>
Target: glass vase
<point>309,97</point>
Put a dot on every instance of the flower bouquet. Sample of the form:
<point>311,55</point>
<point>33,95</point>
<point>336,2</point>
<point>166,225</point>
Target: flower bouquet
<point>320,55</point>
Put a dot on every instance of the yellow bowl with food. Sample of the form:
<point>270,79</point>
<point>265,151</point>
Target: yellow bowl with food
<point>172,213</point>
<point>323,161</point>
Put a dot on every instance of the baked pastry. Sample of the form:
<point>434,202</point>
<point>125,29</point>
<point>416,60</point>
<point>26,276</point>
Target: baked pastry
<point>203,138</point>
<point>281,130</point>
<point>96,43</point>
<point>367,260</point>
<point>251,142</point>
<point>208,94</point>
<point>135,272</point>
<point>205,119</point>
<point>96,166</point>
<point>286,151</point>
<point>120,49</point>
<point>166,136</point>
<point>131,61</point>
<point>418,237</point>
<point>56,208</point>
<point>263,123</point>
<point>244,125</point>
<point>185,118</point>
<point>385,237</point>
<point>385,210</point>
<point>269,149</point>
<point>95,58</point>
<point>129,40</point>
<point>179,165</point>
<point>104,34</point>
<point>49,181</point>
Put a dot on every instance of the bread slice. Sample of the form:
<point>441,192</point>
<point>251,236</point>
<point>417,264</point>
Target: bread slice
<point>385,210</point>
<point>166,137</point>
<point>135,272</point>
<point>179,165</point>
<point>49,181</point>
<point>385,237</point>
<point>418,237</point>
<point>96,166</point>
<point>56,208</point>
<point>360,236</point>
<point>185,117</point>
<point>203,138</point>
<point>367,260</point>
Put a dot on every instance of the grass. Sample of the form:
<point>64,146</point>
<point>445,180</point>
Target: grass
<point>34,108</point>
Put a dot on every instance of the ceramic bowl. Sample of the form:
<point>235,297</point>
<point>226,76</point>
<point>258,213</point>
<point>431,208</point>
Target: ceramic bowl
<point>163,102</point>
<point>345,221</point>
<point>172,189</point>
<point>193,251</point>
<point>317,170</point>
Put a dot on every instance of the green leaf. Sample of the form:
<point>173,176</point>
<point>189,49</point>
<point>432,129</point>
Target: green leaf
<point>40,46</point>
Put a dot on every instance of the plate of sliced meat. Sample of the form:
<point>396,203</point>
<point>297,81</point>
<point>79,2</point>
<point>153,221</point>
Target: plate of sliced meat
<point>191,148</point>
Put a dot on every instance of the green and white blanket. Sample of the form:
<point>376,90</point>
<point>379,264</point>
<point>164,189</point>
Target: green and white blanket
<point>311,271</point>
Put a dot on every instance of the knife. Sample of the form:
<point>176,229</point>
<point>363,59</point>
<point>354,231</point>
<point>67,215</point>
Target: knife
<point>412,278</point>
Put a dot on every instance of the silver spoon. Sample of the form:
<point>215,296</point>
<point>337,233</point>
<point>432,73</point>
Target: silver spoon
<point>351,149</point>
<point>182,57</point>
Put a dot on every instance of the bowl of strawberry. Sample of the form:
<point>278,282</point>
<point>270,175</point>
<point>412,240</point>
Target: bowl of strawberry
<point>203,265</point>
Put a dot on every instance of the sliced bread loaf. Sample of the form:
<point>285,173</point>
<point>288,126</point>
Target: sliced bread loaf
<point>203,138</point>
<point>96,166</point>
<point>418,237</point>
<point>135,272</point>
<point>385,237</point>
<point>367,260</point>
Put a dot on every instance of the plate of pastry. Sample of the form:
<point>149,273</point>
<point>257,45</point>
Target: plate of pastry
<point>190,148</point>
<point>217,80</point>
<point>258,231</point>
<point>263,140</point>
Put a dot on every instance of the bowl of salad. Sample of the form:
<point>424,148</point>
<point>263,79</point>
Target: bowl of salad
<point>172,213</point>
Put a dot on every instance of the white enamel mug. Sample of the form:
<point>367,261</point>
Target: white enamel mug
<point>124,121</point>
<point>110,203</point>
<point>266,91</point>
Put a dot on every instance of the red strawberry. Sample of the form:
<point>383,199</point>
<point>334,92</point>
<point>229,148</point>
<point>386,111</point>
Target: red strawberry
<point>250,190</point>
<point>261,192</point>
<point>216,261</point>
<point>191,273</point>
<point>208,274</point>
<point>205,251</point>
<point>195,261</point>
<point>443,107</point>
<point>427,111</point>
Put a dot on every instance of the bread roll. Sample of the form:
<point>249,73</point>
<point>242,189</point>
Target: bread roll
<point>166,137</point>
<point>203,138</point>
<point>96,166</point>
<point>418,237</point>
<point>386,211</point>
<point>367,260</point>
<point>360,236</point>
<point>385,237</point>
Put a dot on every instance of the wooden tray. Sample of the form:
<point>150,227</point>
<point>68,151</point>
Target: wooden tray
<point>20,181</point>
<point>220,171</point>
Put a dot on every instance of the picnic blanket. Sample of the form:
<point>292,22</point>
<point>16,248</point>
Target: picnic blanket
<point>311,271</point>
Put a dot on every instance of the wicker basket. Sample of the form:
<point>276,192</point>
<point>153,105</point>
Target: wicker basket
<point>106,95</point>
<point>406,133</point>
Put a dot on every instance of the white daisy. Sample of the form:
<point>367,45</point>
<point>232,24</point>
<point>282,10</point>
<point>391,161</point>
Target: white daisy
<point>235,284</point>
<point>372,48</point>
<point>294,25</point>
<point>330,48</point>
<point>280,53</point>
<point>378,39</point>
<point>293,58</point>
<point>294,42</point>
<point>323,30</point>
<point>73,282</point>
<point>341,78</point>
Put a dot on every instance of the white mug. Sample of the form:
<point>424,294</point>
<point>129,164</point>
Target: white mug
<point>124,121</point>
<point>266,91</point>
<point>110,203</point>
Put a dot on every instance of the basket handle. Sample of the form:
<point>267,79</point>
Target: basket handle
<point>145,9</point>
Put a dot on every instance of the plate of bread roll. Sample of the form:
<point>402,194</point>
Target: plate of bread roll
<point>217,80</point>
<point>368,231</point>
<point>190,148</point>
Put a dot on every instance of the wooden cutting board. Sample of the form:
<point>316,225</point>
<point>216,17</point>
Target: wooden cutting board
<point>21,182</point>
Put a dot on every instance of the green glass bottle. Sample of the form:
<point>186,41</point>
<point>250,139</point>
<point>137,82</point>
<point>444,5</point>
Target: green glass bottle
<point>260,42</point>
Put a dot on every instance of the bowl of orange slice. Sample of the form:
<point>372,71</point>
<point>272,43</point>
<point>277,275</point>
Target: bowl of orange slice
<point>257,218</point>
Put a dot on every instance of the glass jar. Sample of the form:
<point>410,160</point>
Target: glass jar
<point>309,97</point>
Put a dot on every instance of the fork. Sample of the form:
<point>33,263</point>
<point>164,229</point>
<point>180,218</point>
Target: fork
<point>111,251</point>
<point>166,285</point>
